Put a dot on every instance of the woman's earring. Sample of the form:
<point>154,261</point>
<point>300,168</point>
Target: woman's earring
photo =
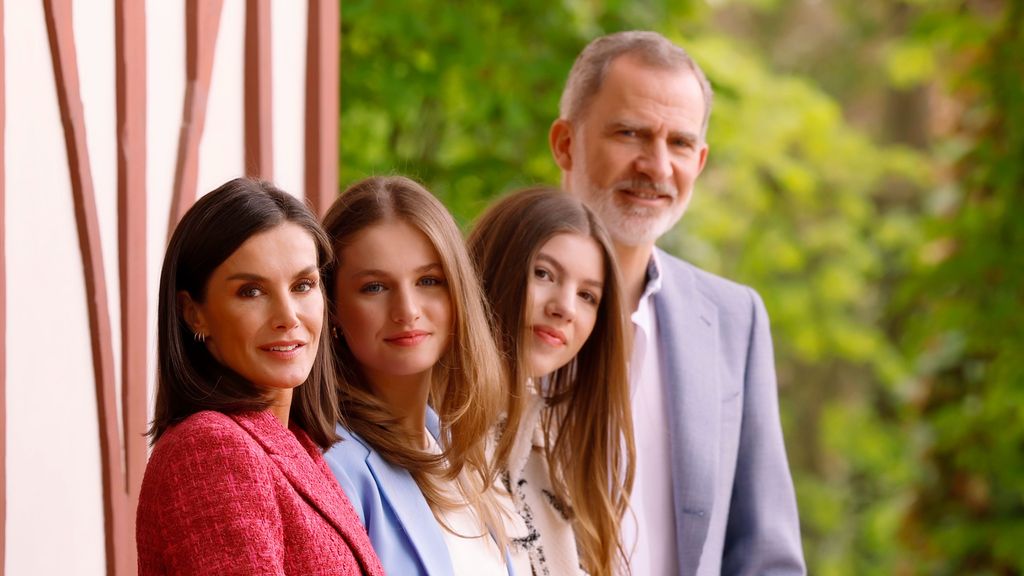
<point>199,336</point>
<point>334,332</point>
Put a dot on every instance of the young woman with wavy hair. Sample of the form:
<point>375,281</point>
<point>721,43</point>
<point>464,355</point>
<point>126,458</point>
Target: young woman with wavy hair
<point>420,381</point>
<point>548,269</point>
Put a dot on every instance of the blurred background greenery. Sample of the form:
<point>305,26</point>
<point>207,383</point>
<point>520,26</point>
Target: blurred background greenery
<point>866,175</point>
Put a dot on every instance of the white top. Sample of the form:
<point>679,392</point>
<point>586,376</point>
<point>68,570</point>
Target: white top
<point>471,547</point>
<point>649,529</point>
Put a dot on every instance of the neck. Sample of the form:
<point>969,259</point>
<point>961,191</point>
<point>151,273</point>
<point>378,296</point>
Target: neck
<point>633,262</point>
<point>406,398</point>
<point>281,405</point>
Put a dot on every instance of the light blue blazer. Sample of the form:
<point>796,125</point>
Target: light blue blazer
<point>401,525</point>
<point>735,508</point>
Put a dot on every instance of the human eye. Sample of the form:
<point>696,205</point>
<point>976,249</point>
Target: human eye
<point>681,142</point>
<point>431,281</point>
<point>372,288</point>
<point>250,291</point>
<point>590,297</point>
<point>542,273</point>
<point>306,285</point>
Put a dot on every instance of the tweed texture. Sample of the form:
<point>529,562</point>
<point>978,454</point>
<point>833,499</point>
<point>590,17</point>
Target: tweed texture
<point>549,541</point>
<point>241,494</point>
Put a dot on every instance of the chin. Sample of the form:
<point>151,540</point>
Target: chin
<point>291,379</point>
<point>543,367</point>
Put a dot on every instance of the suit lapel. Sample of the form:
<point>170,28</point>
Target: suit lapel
<point>688,330</point>
<point>294,455</point>
<point>411,510</point>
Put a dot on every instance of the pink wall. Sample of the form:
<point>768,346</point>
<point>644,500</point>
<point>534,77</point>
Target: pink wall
<point>114,115</point>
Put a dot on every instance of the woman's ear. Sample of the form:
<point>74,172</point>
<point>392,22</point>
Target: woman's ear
<point>191,313</point>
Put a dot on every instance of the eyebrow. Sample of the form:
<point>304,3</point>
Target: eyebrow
<point>690,137</point>
<point>250,277</point>
<point>542,257</point>
<point>378,272</point>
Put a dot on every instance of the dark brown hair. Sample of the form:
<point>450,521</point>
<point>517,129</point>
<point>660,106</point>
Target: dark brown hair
<point>189,379</point>
<point>587,426</point>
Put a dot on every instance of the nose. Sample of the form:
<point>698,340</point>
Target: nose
<point>562,305</point>
<point>655,162</point>
<point>405,308</point>
<point>286,313</point>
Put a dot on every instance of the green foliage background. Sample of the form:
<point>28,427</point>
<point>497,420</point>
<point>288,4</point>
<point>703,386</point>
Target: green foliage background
<point>865,175</point>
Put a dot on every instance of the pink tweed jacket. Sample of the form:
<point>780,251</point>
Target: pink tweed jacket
<point>241,494</point>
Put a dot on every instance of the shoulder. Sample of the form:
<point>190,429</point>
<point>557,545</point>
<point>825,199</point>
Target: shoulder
<point>208,481</point>
<point>348,461</point>
<point>206,421</point>
<point>205,461</point>
<point>350,449</point>
<point>204,435</point>
<point>205,449</point>
<point>728,296</point>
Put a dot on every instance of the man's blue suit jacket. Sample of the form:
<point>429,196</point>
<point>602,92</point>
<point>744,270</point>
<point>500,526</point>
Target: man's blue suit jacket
<point>735,507</point>
<point>402,527</point>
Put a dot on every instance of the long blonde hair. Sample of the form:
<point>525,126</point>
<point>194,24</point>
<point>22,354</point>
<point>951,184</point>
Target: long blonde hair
<point>588,426</point>
<point>467,384</point>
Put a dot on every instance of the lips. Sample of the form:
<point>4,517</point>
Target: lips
<point>647,191</point>
<point>550,336</point>
<point>407,338</point>
<point>285,349</point>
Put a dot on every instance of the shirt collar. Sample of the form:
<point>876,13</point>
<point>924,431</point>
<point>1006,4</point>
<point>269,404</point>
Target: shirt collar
<point>644,312</point>
<point>653,285</point>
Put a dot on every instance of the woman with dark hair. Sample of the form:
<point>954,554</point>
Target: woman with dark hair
<point>549,272</point>
<point>245,399</point>
<point>420,382</point>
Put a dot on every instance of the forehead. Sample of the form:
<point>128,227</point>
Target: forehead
<point>635,91</point>
<point>284,248</point>
<point>578,254</point>
<point>389,243</point>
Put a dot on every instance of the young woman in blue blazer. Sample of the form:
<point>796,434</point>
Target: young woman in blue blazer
<point>420,382</point>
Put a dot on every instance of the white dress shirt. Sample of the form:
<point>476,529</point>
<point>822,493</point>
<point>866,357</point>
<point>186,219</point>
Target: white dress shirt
<point>649,529</point>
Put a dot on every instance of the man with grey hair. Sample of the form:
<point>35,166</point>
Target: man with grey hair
<point>713,493</point>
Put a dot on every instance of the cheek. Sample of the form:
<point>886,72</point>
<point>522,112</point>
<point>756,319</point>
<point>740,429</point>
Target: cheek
<point>315,314</point>
<point>609,158</point>
<point>585,326</point>
<point>351,317</point>
<point>232,328</point>
<point>535,298</point>
<point>445,316</point>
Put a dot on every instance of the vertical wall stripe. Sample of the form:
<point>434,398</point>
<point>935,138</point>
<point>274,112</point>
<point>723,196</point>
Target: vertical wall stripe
<point>259,137</point>
<point>3,302</point>
<point>202,21</point>
<point>322,75</point>
<point>62,49</point>
<point>130,55</point>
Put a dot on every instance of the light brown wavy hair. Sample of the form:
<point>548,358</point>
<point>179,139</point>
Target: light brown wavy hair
<point>588,425</point>
<point>467,383</point>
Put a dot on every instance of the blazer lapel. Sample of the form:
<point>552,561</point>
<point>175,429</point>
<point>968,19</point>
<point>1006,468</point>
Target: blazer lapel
<point>688,329</point>
<point>296,456</point>
<point>411,510</point>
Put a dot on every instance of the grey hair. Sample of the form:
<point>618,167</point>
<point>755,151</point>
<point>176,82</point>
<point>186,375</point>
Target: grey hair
<point>653,49</point>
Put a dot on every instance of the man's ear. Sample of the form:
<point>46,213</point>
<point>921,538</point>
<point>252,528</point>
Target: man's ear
<point>191,313</point>
<point>560,140</point>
